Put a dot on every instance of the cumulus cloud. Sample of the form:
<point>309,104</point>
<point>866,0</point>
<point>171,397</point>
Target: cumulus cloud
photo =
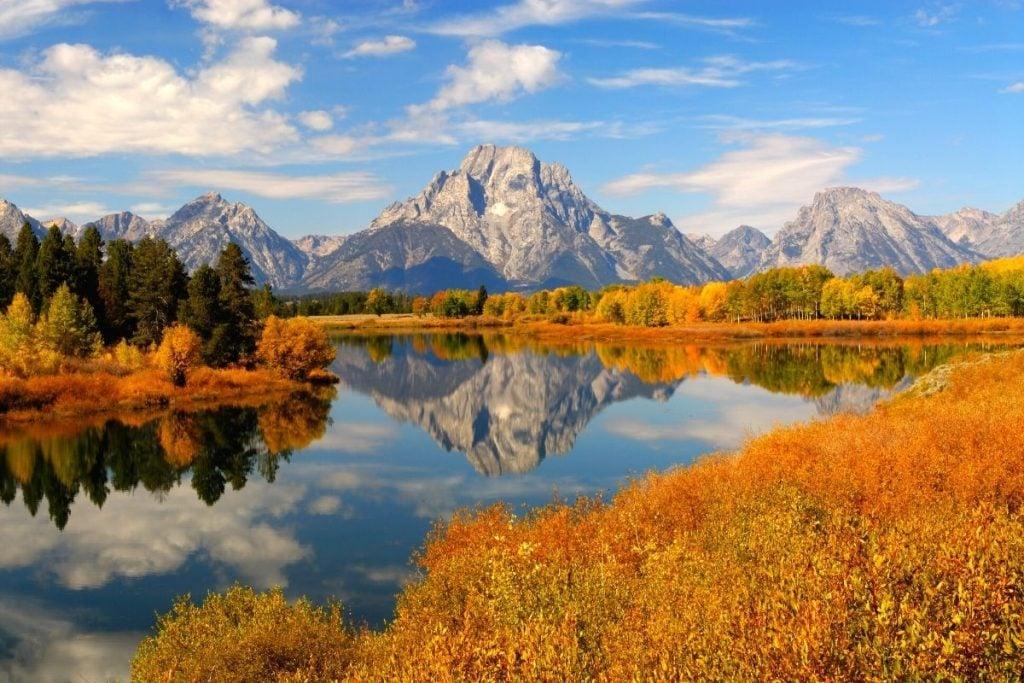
<point>241,15</point>
<point>318,120</point>
<point>337,188</point>
<point>724,71</point>
<point>19,17</point>
<point>1014,88</point>
<point>496,71</point>
<point>153,539</point>
<point>761,184</point>
<point>124,103</point>
<point>388,45</point>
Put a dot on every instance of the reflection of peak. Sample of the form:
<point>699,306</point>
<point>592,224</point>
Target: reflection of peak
<point>505,415</point>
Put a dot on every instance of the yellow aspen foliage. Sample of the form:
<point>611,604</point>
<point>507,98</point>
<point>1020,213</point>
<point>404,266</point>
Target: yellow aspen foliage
<point>294,347</point>
<point>178,353</point>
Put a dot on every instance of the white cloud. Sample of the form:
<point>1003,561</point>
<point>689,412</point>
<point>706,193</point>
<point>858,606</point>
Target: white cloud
<point>337,188</point>
<point>244,15</point>
<point>716,72</point>
<point>317,120</point>
<point>388,45</point>
<point>156,539</point>
<point>528,13</point>
<point>739,123</point>
<point>1014,88</point>
<point>19,17</point>
<point>936,15</point>
<point>496,71</point>
<point>555,12</point>
<point>77,211</point>
<point>152,209</point>
<point>121,103</point>
<point>761,184</point>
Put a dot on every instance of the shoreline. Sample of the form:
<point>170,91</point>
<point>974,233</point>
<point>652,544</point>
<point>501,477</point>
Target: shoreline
<point>100,395</point>
<point>544,330</point>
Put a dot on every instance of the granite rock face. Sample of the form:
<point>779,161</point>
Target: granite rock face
<point>849,230</point>
<point>741,250</point>
<point>992,235</point>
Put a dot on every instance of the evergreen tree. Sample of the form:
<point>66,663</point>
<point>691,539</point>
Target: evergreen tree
<point>238,314</point>
<point>265,303</point>
<point>8,272</point>
<point>26,251</point>
<point>201,311</point>
<point>481,299</point>
<point>88,260</point>
<point>156,283</point>
<point>114,273</point>
<point>55,263</point>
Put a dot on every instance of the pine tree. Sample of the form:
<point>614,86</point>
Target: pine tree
<point>115,319</point>
<point>26,251</point>
<point>237,310</point>
<point>156,283</point>
<point>88,260</point>
<point>55,263</point>
<point>201,311</point>
<point>8,272</point>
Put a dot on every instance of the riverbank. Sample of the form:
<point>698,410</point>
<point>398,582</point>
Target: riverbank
<point>864,547</point>
<point>52,398</point>
<point>583,330</point>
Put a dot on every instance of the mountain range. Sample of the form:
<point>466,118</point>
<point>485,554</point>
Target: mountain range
<point>509,221</point>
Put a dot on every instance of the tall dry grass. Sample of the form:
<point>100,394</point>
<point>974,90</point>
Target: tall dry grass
<point>877,547</point>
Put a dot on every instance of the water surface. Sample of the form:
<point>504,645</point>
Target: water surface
<point>329,494</point>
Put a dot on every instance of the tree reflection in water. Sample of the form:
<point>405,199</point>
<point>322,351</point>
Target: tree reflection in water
<point>213,449</point>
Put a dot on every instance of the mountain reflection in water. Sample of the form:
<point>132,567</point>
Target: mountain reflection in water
<point>507,403</point>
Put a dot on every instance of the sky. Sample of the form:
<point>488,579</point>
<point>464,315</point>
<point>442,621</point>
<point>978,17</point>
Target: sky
<point>319,113</point>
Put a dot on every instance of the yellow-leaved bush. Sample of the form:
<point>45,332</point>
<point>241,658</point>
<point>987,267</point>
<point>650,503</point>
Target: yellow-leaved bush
<point>179,352</point>
<point>295,347</point>
<point>878,547</point>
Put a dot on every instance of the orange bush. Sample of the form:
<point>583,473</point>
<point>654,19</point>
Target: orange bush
<point>295,347</point>
<point>179,352</point>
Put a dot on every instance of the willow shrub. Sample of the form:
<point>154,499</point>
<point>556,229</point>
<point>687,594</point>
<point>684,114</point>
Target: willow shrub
<point>877,547</point>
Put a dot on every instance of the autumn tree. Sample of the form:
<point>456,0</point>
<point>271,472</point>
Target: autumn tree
<point>295,347</point>
<point>68,325</point>
<point>179,352</point>
<point>378,301</point>
<point>17,337</point>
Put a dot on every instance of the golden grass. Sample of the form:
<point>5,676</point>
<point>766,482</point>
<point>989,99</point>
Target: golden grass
<point>101,392</point>
<point>877,547</point>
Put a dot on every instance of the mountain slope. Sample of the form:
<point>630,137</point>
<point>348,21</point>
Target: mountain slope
<point>419,257</point>
<point>199,230</point>
<point>12,219</point>
<point>741,250</point>
<point>124,225</point>
<point>535,226</point>
<point>992,235</point>
<point>849,230</point>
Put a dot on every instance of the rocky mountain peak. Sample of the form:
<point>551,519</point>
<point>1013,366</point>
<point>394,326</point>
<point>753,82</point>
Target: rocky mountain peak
<point>485,162</point>
<point>12,219</point>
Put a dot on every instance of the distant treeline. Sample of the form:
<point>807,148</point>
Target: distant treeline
<point>377,301</point>
<point>993,289</point>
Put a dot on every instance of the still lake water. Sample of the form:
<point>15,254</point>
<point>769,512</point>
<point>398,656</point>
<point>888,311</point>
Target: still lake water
<point>329,495</point>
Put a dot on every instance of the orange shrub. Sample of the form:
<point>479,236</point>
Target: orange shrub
<point>295,347</point>
<point>178,353</point>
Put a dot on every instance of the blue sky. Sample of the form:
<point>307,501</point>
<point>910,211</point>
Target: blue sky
<point>320,113</point>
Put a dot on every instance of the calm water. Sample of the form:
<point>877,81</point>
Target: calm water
<point>329,495</point>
